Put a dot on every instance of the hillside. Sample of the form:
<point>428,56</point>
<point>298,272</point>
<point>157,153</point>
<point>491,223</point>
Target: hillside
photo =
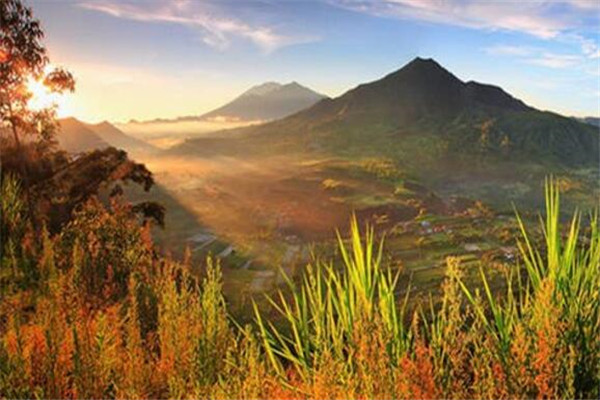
<point>115,137</point>
<point>75,137</point>
<point>421,89</point>
<point>420,113</point>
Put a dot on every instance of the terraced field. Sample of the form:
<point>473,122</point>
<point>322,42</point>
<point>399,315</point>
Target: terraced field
<point>261,216</point>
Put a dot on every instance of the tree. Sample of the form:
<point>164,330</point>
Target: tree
<point>53,182</point>
<point>84,177</point>
<point>23,57</point>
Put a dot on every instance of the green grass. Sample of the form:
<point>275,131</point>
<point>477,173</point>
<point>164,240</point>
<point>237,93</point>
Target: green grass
<point>562,277</point>
<point>327,306</point>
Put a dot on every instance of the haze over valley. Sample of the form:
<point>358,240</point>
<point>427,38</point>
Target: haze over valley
<point>418,146</point>
<point>260,103</point>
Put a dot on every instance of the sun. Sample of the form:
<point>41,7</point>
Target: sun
<point>43,98</point>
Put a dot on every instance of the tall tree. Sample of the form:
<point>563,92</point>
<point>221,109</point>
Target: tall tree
<point>23,58</point>
<point>54,184</point>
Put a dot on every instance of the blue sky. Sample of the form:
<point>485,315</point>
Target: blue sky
<point>148,59</point>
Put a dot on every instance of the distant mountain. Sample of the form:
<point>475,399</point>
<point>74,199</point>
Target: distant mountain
<point>422,115</point>
<point>266,88</point>
<point>590,120</point>
<point>265,102</point>
<point>75,136</point>
<point>115,137</point>
<point>268,101</point>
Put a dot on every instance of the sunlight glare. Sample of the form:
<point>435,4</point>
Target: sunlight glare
<point>43,98</point>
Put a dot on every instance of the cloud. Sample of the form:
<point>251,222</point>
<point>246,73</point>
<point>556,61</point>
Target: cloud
<point>508,50</point>
<point>541,18</point>
<point>584,4</point>
<point>553,21</point>
<point>589,47</point>
<point>537,56</point>
<point>531,17</point>
<point>217,29</point>
<point>552,60</point>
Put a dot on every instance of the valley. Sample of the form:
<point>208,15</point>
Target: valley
<point>436,165</point>
<point>262,215</point>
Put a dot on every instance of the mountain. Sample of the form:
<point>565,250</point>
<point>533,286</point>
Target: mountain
<point>72,136</point>
<point>268,101</point>
<point>421,89</point>
<point>423,116</point>
<point>263,89</point>
<point>75,137</point>
<point>264,102</point>
<point>115,137</point>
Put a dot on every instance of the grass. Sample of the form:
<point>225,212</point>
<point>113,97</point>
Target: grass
<point>326,310</point>
<point>541,337</point>
<point>343,330</point>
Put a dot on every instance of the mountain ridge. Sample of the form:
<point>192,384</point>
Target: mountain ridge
<point>595,121</point>
<point>268,101</point>
<point>422,86</point>
<point>76,136</point>
<point>420,100</point>
<point>117,138</point>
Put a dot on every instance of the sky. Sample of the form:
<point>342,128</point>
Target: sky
<point>150,59</point>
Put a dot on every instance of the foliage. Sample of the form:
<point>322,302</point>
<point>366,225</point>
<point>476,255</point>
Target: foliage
<point>329,310</point>
<point>17,263</point>
<point>24,58</point>
<point>382,168</point>
<point>539,339</point>
<point>331,184</point>
<point>83,178</point>
<point>107,317</point>
<point>53,182</point>
<point>558,304</point>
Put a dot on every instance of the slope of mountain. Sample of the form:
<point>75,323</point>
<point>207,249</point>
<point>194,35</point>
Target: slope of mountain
<point>115,137</point>
<point>268,101</point>
<point>421,115</point>
<point>75,137</point>
<point>417,145</point>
